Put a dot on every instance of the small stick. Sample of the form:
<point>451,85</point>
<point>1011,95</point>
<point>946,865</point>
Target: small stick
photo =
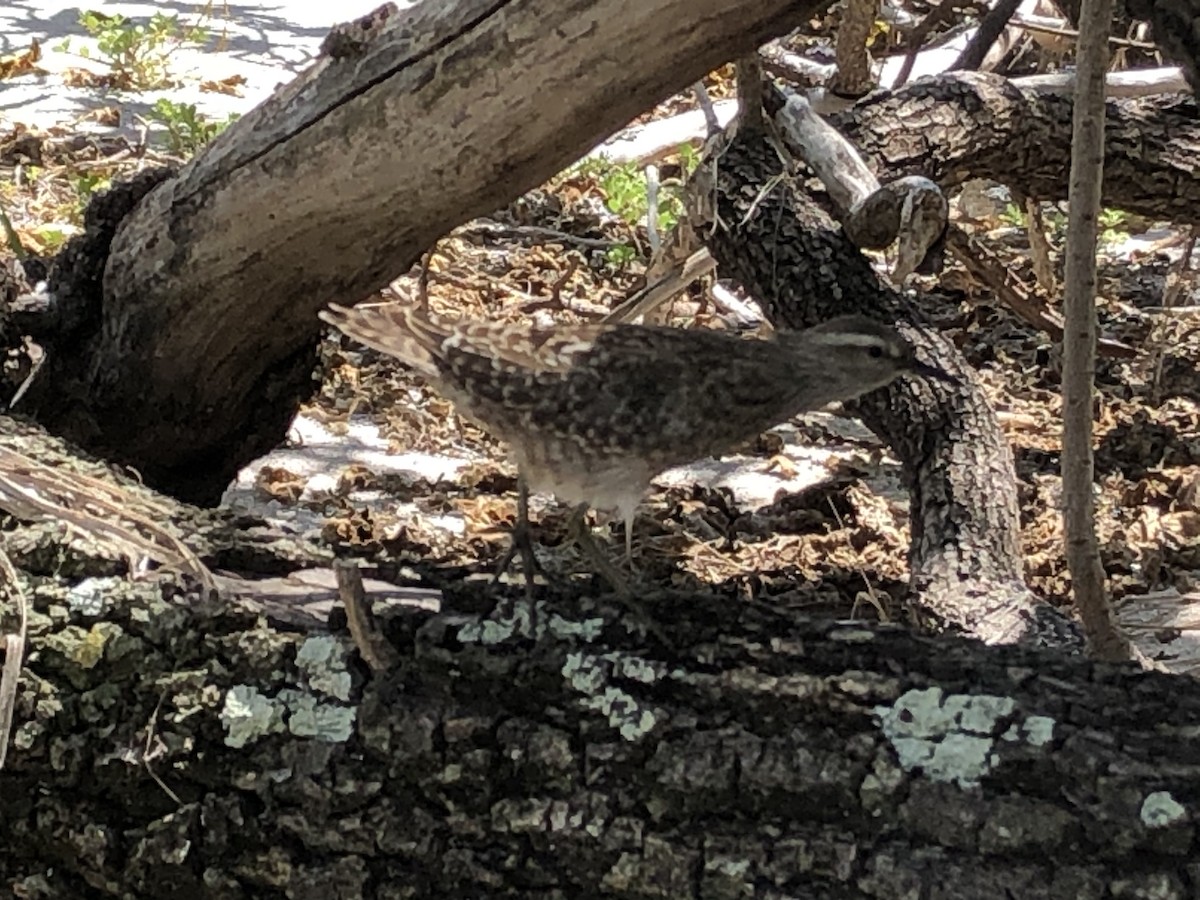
<point>375,650</point>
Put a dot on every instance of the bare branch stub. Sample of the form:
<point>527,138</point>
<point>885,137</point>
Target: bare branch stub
<point>853,76</point>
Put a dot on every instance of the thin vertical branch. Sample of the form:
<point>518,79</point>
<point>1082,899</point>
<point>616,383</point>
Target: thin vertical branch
<point>1079,338</point>
<point>853,76</point>
<point>750,92</point>
<point>706,105</point>
<point>14,654</point>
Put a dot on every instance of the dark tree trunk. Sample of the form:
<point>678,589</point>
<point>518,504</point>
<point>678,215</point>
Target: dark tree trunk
<point>965,562</point>
<point>170,746</point>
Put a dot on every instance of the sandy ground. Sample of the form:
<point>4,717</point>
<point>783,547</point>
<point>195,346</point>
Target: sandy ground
<point>266,43</point>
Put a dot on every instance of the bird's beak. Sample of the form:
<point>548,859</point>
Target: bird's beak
<point>932,372</point>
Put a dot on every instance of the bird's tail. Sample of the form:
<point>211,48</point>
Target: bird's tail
<point>396,329</point>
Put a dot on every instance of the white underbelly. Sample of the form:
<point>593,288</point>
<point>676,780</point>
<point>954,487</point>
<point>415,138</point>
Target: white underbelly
<point>616,486</point>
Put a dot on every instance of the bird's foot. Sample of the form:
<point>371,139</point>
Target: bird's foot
<point>620,583</point>
<point>521,543</point>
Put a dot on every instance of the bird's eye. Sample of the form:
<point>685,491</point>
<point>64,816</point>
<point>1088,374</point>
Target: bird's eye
<point>875,352</point>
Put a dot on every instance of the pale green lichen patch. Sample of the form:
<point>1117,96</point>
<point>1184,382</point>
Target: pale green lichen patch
<point>588,675</point>
<point>527,621</point>
<point>308,717</point>
<point>631,720</point>
<point>1037,731</point>
<point>83,647</point>
<point>249,716</point>
<point>979,713</point>
<point>88,597</point>
<point>584,673</point>
<point>322,661</point>
<point>961,758</point>
<point>952,738</point>
<point>1161,810</point>
<point>587,630</point>
<point>486,632</point>
<point>498,629</point>
<point>636,669</point>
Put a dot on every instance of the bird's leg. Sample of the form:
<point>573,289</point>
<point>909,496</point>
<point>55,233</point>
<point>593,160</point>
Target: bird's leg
<point>579,532</point>
<point>522,540</point>
<point>577,529</point>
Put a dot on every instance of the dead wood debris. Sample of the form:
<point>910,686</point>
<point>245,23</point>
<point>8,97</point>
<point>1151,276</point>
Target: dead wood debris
<point>92,508</point>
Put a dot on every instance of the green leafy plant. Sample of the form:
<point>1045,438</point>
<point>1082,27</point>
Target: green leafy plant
<point>1054,220</point>
<point>689,158</point>
<point>620,255</point>
<point>624,187</point>
<point>85,185</point>
<point>1115,225</point>
<point>51,235</point>
<point>1012,216</point>
<point>187,129</point>
<point>137,55</point>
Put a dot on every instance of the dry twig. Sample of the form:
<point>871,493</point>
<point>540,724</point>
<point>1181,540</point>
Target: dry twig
<point>89,506</point>
<point>14,654</point>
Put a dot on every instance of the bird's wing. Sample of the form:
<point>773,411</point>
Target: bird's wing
<point>534,349</point>
<point>389,329</point>
<point>400,330</point>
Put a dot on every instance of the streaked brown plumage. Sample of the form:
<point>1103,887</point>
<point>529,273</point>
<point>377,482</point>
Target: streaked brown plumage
<point>593,412</point>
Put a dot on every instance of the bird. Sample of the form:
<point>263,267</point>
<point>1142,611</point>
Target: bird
<point>593,412</point>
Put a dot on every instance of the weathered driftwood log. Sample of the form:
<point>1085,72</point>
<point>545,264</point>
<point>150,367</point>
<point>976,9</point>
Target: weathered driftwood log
<point>967,125</point>
<point>169,745</point>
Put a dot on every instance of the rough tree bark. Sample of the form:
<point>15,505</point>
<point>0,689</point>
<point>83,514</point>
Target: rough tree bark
<point>853,77</point>
<point>967,125</point>
<point>188,357</point>
<point>174,746</point>
<point>964,559</point>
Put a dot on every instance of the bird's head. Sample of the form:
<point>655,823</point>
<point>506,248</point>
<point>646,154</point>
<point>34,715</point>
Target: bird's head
<point>866,352</point>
